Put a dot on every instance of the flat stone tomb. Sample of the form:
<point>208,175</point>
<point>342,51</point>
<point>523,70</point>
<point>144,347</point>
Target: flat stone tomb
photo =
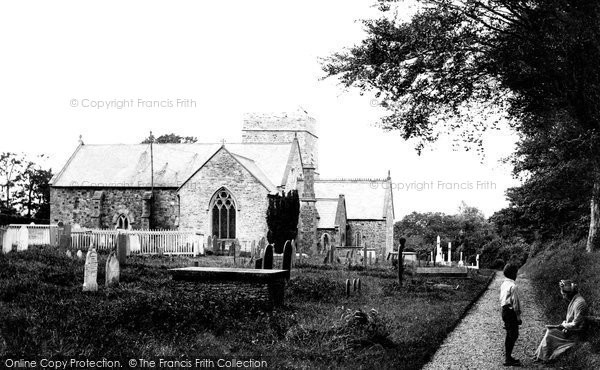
<point>227,274</point>
<point>274,279</point>
<point>443,271</point>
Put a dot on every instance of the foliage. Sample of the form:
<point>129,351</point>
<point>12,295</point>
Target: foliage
<point>565,258</point>
<point>533,61</point>
<point>170,139</point>
<point>499,251</point>
<point>468,231</point>
<point>282,218</point>
<point>25,186</point>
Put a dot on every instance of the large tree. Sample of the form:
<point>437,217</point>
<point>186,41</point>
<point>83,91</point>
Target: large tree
<point>535,61</point>
<point>170,139</point>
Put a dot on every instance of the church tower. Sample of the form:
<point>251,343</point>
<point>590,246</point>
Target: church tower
<point>282,128</point>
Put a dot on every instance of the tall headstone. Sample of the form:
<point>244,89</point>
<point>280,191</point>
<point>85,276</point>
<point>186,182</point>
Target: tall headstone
<point>209,244</point>
<point>90,278</point>
<point>122,241</point>
<point>449,252</point>
<point>287,258</point>
<point>113,270</point>
<point>293,244</point>
<point>65,237</point>
<point>54,236</point>
<point>268,257</point>
<point>23,239</point>
<point>215,245</point>
<point>439,258</point>
<point>477,261</point>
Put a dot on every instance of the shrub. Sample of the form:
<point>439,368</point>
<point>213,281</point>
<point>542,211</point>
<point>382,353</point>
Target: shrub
<point>566,259</point>
<point>498,252</point>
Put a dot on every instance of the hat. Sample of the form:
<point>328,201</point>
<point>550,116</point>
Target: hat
<point>567,286</point>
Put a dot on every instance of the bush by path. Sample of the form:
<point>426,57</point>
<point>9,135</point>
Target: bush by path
<point>565,259</point>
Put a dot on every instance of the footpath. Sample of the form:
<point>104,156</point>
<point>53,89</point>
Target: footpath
<point>477,342</point>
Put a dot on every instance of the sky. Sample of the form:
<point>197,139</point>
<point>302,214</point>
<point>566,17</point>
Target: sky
<point>68,66</point>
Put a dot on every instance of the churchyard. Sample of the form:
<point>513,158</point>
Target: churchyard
<point>51,309</point>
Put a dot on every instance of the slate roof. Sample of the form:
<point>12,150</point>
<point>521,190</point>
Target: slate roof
<point>366,199</point>
<point>327,209</point>
<point>128,165</point>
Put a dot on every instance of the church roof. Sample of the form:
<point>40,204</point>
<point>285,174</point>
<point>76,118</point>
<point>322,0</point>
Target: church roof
<point>128,165</point>
<point>366,199</point>
<point>327,209</point>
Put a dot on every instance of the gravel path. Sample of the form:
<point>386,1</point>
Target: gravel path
<point>478,340</point>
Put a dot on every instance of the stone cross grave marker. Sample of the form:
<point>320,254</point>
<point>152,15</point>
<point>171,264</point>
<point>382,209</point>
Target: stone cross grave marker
<point>90,278</point>
<point>113,270</point>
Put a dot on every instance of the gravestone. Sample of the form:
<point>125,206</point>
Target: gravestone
<point>134,244</point>
<point>209,244</point>
<point>54,237</point>
<point>293,252</point>
<point>215,245</point>
<point>122,240</point>
<point>287,258</point>
<point>69,254</point>
<point>6,242</point>
<point>268,258</point>
<point>113,270</point>
<point>65,237</point>
<point>79,254</point>
<point>90,277</point>
<point>23,239</point>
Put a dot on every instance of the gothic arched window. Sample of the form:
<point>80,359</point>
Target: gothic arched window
<point>122,222</point>
<point>223,215</point>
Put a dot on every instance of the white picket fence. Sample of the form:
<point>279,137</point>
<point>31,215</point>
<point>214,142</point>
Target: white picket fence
<point>37,234</point>
<point>143,242</point>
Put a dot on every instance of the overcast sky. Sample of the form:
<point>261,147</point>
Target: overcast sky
<point>220,59</point>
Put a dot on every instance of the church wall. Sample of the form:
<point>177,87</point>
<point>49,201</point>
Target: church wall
<point>75,205</point>
<point>373,231</point>
<point>333,238</point>
<point>250,197</point>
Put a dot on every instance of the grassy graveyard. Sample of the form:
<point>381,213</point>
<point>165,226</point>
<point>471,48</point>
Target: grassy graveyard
<point>43,312</point>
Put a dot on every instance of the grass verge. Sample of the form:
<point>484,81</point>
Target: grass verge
<point>566,259</point>
<point>44,313</point>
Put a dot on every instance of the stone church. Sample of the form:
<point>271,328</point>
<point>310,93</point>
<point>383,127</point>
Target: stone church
<point>221,189</point>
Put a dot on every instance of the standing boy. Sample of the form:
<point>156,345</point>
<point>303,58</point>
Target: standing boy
<point>511,312</point>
